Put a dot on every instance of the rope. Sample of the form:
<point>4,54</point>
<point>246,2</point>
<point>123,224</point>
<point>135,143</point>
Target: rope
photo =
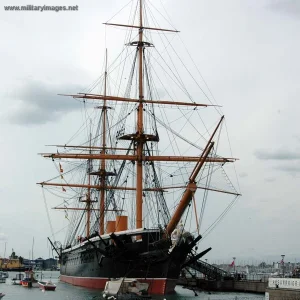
<point>48,215</point>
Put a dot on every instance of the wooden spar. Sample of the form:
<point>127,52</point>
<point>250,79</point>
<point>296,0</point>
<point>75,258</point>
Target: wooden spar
<point>78,208</point>
<point>121,99</point>
<point>102,167</point>
<point>188,194</point>
<point>192,186</point>
<point>198,165</point>
<point>87,147</point>
<point>109,187</point>
<point>140,130</point>
<point>134,157</point>
<point>141,27</point>
<point>202,188</point>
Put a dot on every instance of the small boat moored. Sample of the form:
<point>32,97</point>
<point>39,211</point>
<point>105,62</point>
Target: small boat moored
<point>126,288</point>
<point>3,276</point>
<point>1,295</point>
<point>29,280</point>
<point>47,285</point>
<point>17,280</point>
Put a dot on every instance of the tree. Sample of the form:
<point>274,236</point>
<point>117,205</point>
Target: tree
<point>13,255</point>
<point>21,260</point>
<point>262,265</point>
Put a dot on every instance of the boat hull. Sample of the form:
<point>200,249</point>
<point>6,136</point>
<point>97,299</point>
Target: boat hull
<point>158,286</point>
<point>16,282</point>
<point>46,287</point>
<point>29,284</point>
<point>92,264</point>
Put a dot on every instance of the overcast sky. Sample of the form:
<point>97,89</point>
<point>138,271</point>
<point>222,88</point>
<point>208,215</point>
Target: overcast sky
<point>248,53</point>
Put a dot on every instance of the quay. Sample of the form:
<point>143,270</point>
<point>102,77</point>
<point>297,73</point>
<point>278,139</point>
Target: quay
<point>228,285</point>
<point>217,279</point>
<point>283,288</point>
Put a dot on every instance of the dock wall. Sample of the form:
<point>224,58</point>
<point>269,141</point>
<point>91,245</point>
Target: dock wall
<point>227,285</point>
<point>283,289</point>
<point>282,294</point>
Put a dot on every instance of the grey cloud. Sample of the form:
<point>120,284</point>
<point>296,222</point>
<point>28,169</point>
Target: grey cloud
<point>38,103</point>
<point>3,237</point>
<point>277,155</point>
<point>297,137</point>
<point>292,169</point>
<point>290,7</point>
<point>270,179</point>
<point>243,174</point>
<point>264,200</point>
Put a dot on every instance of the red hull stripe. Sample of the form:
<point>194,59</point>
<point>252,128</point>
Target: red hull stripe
<point>158,286</point>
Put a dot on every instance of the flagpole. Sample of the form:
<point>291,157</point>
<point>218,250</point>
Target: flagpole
<point>32,248</point>
<point>234,264</point>
<point>282,262</point>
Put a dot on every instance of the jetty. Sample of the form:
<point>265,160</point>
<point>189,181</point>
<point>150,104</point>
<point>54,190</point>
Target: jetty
<point>216,279</point>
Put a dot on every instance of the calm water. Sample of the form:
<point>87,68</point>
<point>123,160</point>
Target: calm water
<point>65,291</point>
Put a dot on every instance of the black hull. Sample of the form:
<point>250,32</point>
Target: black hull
<point>95,261</point>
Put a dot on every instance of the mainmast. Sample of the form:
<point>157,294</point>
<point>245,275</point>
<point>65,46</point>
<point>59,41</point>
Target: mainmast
<point>140,129</point>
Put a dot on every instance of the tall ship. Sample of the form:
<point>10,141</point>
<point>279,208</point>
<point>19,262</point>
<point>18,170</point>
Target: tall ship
<point>131,177</point>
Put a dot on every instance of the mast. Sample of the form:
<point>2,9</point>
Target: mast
<point>88,200</point>
<point>102,167</point>
<point>140,125</point>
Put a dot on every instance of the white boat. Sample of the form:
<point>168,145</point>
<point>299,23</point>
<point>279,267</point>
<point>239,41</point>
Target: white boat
<point>2,279</point>
<point>17,280</point>
<point>47,285</point>
<point>3,276</point>
<point>125,288</point>
<point>1,295</point>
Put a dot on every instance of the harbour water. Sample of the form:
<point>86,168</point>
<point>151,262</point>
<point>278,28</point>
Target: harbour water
<point>68,292</point>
